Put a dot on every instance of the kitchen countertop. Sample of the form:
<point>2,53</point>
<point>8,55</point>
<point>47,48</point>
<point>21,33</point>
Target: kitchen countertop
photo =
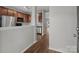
<point>15,27</point>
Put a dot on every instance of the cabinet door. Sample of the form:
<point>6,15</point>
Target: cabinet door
<point>10,12</point>
<point>15,13</point>
<point>27,18</point>
<point>3,11</point>
<point>0,10</point>
<point>24,18</point>
<point>20,15</point>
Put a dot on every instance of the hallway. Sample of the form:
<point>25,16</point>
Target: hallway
<point>42,46</point>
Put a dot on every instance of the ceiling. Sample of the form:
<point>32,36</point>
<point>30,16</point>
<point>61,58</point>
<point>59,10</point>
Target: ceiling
<point>45,8</point>
<point>28,9</point>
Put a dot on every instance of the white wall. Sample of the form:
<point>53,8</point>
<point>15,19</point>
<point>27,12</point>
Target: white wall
<point>16,39</point>
<point>63,22</point>
<point>33,20</point>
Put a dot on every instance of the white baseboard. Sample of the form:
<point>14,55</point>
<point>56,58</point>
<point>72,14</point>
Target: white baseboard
<point>56,49</point>
<point>27,47</point>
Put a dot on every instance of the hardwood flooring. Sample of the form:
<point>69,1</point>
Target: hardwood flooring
<point>41,46</point>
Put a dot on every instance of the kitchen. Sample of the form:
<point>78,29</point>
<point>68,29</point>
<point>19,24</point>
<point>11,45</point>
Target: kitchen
<point>19,28</point>
<point>24,18</point>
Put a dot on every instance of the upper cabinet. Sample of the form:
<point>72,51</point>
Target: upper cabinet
<point>10,12</point>
<point>15,13</point>
<point>27,18</point>
<point>20,15</point>
<point>0,10</point>
<point>3,11</point>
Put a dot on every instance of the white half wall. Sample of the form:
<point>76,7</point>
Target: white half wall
<point>63,22</point>
<point>16,39</point>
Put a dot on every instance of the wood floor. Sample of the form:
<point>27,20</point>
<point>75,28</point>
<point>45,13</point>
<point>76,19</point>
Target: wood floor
<point>41,46</point>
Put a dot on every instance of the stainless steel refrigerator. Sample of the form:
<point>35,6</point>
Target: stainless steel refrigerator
<point>7,21</point>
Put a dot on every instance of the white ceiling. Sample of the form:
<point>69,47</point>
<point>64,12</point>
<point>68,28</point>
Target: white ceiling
<point>20,9</point>
<point>28,9</point>
<point>45,8</point>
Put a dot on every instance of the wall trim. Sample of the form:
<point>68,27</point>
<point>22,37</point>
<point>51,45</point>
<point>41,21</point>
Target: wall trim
<point>28,47</point>
<point>55,49</point>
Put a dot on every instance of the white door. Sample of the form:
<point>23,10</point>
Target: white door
<point>62,28</point>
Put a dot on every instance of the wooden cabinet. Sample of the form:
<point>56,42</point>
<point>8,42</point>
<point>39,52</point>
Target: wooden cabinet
<point>3,11</point>
<point>15,13</point>
<point>0,10</point>
<point>24,18</point>
<point>10,12</point>
<point>27,18</point>
<point>20,15</point>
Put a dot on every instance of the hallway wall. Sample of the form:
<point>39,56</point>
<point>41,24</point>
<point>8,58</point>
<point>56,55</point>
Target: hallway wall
<point>63,22</point>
